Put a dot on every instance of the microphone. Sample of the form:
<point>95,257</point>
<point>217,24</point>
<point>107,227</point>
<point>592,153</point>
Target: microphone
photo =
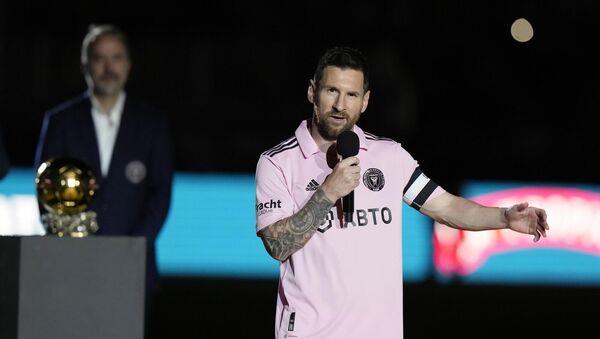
<point>347,146</point>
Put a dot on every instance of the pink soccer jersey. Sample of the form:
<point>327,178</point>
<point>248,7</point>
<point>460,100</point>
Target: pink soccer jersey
<point>346,282</point>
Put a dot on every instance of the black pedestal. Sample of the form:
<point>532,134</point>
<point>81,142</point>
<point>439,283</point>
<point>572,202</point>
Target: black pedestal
<point>72,288</point>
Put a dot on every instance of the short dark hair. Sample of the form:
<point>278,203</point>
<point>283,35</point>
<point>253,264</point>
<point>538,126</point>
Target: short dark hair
<point>95,32</point>
<point>343,57</point>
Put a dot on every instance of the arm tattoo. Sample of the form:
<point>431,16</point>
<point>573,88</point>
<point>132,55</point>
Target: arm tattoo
<point>288,235</point>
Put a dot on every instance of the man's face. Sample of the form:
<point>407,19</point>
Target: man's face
<point>108,66</point>
<point>338,100</point>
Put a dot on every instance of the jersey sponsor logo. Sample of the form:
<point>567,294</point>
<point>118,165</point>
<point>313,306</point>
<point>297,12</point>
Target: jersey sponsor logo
<point>362,217</point>
<point>327,223</point>
<point>267,206</point>
<point>374,179</point>
<point>313,185</point>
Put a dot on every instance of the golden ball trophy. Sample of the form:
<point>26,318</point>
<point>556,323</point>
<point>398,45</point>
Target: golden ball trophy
<point>65,188</point>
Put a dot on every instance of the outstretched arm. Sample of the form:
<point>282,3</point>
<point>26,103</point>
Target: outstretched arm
<point>465,214</point>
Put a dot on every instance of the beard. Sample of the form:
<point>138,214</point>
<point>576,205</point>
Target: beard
<point>108,84</point>
<point>329,132</point>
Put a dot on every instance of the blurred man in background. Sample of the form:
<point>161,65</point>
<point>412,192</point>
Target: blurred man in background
<point>124,141</point>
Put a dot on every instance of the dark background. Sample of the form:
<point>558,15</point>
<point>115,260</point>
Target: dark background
<point>448,82</point>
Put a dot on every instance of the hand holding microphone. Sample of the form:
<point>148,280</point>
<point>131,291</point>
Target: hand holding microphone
<point>346,174</point>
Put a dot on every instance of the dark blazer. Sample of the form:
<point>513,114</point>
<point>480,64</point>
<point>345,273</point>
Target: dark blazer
<point>128,201</point>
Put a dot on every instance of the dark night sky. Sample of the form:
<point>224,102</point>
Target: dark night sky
<point>448,81</point>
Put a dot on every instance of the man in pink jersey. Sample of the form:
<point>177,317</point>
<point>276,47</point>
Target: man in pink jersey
<point>343,279</point>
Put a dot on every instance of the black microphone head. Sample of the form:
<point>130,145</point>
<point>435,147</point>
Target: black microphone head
<point>347,144</point>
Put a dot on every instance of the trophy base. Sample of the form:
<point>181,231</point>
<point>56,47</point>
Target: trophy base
<point>74,225</point>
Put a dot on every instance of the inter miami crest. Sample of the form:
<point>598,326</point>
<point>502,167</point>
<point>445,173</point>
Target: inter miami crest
<point>373,179</point>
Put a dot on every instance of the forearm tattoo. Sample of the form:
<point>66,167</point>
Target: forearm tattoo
<point>288,235</point>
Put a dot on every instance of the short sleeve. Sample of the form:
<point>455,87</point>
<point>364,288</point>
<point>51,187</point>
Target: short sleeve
<point>418,188</point>
<point>273,199</point>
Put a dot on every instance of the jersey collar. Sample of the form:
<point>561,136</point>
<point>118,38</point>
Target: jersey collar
<point>309,146</point>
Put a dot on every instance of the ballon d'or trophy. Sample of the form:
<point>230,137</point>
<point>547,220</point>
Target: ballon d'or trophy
<point>66,187</point>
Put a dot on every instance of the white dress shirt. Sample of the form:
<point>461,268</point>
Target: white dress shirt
<point>107,127</point>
